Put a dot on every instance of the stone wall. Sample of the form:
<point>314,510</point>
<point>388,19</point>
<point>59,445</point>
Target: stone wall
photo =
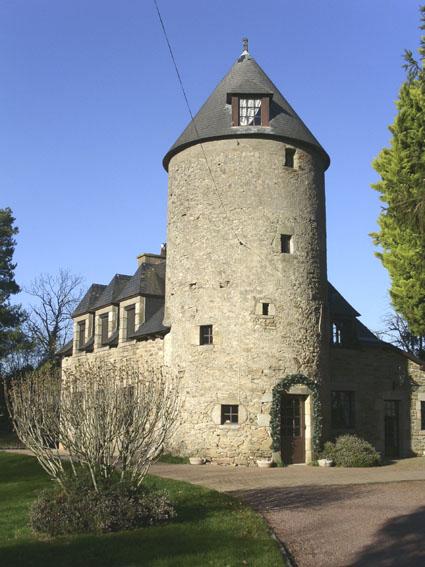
<point>223,261</point>
<point>376,374</point>
<point>151,349</point>
<point>417,377</point>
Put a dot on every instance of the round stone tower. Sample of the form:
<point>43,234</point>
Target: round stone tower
<point>246,286</point>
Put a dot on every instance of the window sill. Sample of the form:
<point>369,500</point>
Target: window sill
<point>252,127</point>
<point>230,426</point>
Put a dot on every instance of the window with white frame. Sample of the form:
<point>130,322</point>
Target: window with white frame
<point>250,112</point>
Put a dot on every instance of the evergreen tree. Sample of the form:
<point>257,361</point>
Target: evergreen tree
<point>11,316</point>
<point>402,187</point>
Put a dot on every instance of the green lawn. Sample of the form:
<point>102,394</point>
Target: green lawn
<point>211,529</point>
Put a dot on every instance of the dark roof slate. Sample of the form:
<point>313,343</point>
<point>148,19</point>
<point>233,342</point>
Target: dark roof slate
<point>149,279</point>
<point>364,335</point>
<point>338,305</point>
<point>66,350</point>
<point>152,326</point>
<point>112,291</point>
<point>90,298</point>
<point>214,120</point>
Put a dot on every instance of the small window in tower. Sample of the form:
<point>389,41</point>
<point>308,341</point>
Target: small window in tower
<point>81,334</point>
<point>286,244</point>
<point>131,319</point>
<point>290,157</point>
<point>265,308</point>
<point>206,335</point>
<point>104,328</point>
<point>250,112</point>
<point>229,414</point>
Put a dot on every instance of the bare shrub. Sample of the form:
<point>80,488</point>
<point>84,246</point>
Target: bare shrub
<point>104,415</point>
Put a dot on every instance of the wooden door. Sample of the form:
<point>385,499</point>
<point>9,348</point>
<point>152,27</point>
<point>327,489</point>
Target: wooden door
<point>392,428</point>
<point>293,429</point>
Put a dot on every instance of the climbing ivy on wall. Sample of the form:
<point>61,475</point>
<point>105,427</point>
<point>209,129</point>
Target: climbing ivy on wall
<point>275,413</point>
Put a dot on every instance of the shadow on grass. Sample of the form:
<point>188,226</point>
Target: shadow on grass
<point>210,529</point>
<point>399,543</point>
<point>299,497</point>
<point>172,546</point>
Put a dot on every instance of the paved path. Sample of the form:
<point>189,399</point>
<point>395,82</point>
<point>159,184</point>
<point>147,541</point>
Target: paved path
<point>331,517</point>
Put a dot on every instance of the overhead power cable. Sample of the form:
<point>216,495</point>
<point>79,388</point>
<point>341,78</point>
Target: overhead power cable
<point>193,120</point>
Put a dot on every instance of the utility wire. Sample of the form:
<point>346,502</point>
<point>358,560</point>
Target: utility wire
<point>239,240</point>
<point>193,119</point>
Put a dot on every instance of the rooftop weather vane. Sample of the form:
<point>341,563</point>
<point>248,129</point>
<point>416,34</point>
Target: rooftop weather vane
<point>245,44</point>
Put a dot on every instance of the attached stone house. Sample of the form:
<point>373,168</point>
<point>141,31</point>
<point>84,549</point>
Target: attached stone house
<point>271,357</point>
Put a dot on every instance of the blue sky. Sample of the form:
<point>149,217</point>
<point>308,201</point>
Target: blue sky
<point>89,104</point>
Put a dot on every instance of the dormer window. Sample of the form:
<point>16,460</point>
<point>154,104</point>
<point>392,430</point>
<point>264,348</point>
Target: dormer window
<point>81,334</point>
<point>250,110</point>
<point>343,333</point>
<point>131,319</point>
<point>104,328</point>
<point>336,333</point>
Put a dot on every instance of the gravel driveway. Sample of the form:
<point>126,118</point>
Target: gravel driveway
<point>331,517</point>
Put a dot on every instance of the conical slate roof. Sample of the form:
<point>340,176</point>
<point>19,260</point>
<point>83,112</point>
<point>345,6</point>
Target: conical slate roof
<point>214,119</point>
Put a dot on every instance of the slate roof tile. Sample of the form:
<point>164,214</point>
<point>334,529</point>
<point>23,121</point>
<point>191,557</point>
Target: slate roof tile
<point>214,120</point>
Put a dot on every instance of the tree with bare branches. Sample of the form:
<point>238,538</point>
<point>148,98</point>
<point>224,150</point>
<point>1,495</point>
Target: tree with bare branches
<point>105,416</point>
<point>398,333</point>
<point>49,321</point>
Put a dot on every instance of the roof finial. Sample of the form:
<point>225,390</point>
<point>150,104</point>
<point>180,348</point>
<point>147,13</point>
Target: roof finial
<point>244,46</point>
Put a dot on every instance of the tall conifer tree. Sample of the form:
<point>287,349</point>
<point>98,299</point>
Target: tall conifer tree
<point>11,316</point>
<point>402,187</point>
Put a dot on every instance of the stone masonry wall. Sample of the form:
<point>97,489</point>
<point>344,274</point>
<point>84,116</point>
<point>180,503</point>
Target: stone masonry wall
<point>223,261</point>
<point>417,377</point>
<point>152,349</point>
<point>376,374</point>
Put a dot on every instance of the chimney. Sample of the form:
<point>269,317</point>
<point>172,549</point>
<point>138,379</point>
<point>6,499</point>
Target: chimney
<point>147,258</point>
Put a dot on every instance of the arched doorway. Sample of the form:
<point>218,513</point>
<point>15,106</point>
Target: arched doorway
<point>295,420</point>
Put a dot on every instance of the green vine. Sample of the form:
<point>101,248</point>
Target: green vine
<point>275,413</point>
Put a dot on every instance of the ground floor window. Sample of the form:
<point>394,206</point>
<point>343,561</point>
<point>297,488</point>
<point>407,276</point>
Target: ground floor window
<point>342,408</point>
<point>423,416</point>
<point>229,414</point>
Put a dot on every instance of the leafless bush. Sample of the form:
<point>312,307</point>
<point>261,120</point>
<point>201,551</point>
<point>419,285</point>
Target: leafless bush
<point>106,416</point>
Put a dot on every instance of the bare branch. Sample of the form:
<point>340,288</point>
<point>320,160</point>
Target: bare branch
<point>56,296</point>
<point>111,415</point>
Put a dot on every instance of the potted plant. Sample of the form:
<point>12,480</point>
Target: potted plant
<point>196,460</point>
<point>325,462</point>
<point>264,463</point>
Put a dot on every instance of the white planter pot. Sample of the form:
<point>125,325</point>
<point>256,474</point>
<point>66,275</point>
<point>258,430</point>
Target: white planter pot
<point>264,463</point>
<point>196,460</point>
<point>325,462</point>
